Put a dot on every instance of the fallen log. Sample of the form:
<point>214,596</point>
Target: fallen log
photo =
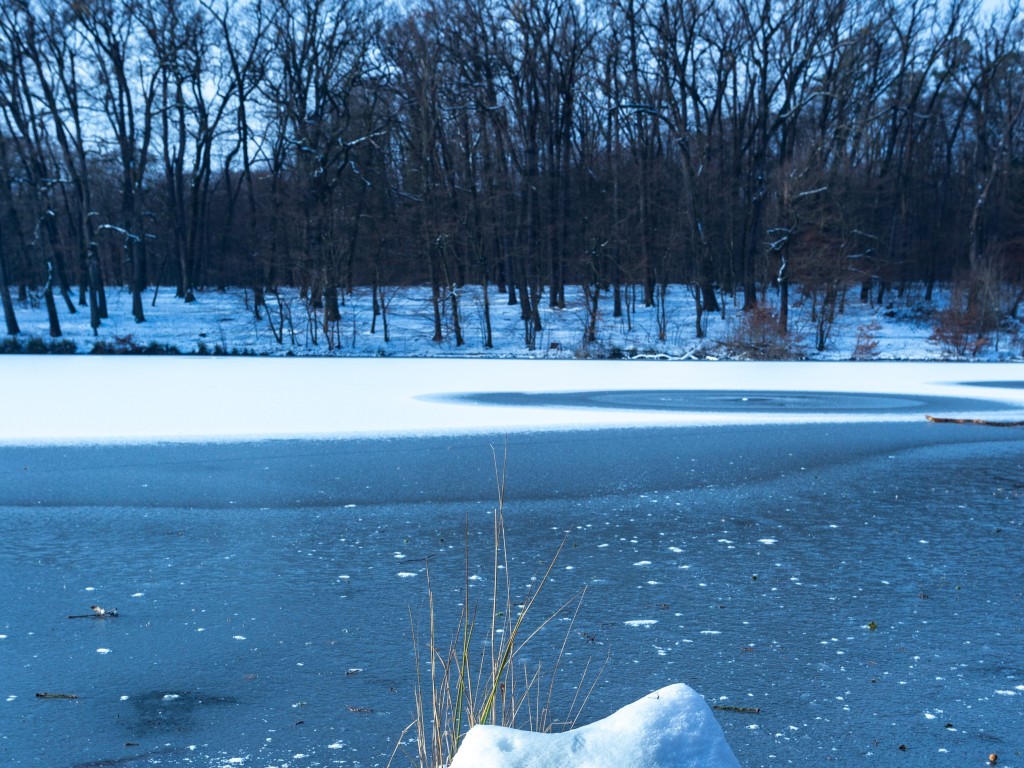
<point>983,422</point>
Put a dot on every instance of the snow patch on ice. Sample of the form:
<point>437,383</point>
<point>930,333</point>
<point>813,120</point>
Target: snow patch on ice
<point>641,622</point>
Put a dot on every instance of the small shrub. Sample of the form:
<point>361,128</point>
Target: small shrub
<point>866,347</point>
<point>757,336</point>
<point>119,345</point>
<point>156,348</point>
<point>960,328</point>
<point>62,347</point>
<point>126,345</point>
<point>10,346</point>
<point>36,346</point>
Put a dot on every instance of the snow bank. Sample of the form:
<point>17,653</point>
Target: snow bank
<point>670,728</point>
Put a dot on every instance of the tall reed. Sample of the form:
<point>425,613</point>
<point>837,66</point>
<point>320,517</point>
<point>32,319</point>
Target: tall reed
<point>470,679</point>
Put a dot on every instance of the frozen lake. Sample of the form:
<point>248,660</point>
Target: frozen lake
<point>858,584</point>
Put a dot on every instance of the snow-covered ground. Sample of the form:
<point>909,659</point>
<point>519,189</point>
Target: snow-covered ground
<point>899,329</point>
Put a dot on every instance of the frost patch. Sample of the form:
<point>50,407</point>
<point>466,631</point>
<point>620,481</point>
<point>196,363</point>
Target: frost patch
<point>768,542</point>
<point>102,650</point>
<point>642,562</point>
<point>641,622</point>
<point>405,575</point>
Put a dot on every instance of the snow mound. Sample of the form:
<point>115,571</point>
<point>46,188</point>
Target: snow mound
<point>670,728</point>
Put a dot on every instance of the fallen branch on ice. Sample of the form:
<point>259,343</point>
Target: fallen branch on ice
<point>984,422</point>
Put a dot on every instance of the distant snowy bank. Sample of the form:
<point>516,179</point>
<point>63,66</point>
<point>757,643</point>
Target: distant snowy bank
<point>670,728</point>
<point>903,327</point>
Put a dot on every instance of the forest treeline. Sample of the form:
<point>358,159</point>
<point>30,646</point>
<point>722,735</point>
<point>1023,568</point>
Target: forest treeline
<point>522,145</point>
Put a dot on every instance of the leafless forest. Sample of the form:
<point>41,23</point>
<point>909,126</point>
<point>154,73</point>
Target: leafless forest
<point>733,146</point>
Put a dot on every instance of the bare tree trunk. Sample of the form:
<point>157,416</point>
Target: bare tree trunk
<point>5,296</point>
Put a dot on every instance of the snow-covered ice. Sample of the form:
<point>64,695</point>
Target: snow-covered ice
<point>670,728</point>
<point>87,399</point>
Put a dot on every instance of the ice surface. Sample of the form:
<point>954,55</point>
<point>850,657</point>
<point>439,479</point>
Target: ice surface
<point>670,728</point>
